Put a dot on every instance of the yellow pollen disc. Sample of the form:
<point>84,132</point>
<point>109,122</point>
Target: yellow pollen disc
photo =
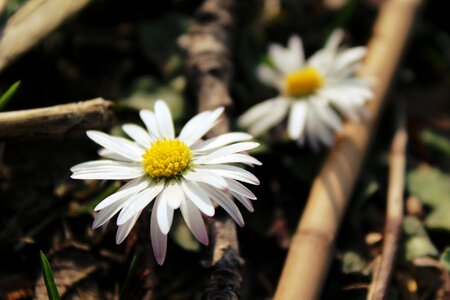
<point>302,82</point>
<point>166,158</point>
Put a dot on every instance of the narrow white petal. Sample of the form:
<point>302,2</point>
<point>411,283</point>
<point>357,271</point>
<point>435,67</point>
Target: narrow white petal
<point>226,203</point>
<point>194,221</point>
<point>138,134</point>
<point>296,53</point>
<point>108,170</point>
<point>117,145</point>
<point>124,230</point>
<point>132,187</point>
<point>232,172</point>
<point>334,40</point>
<point>199,197</point>
<point>319,129</point>
<point>273,117</point>
<point>221,140</point>
<point>164,213</point>
<point>174,194</point>
<point>193,124</point>
<point>269,76</point>
<point>203,128</point>
<point>106,153</point>
<point>207,177</point>
<point>329,117</point>
<point>348,57</point>
<point>259,111</point>
<point>149,119</point>
<point>139,201</point>
<point>277,54</point>
<point>233,158</point>
<point>159,240</point>
<point>103,216</point>
<point>231,149</point>
<point>240,189</point>
<point>244,201</point>
<point>164,119</point>
<point>297,119</point>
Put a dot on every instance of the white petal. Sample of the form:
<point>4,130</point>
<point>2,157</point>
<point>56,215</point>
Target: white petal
<point>329,117</point>
<point>194,221</point>
<point>174,194</point>
<point>226,203</point>
<point>139,201</point>
<point>348,57</point>
<point>244,201</point>
<point>221,140</point>
<point>124,230</point>
<point>297,119</point>
<point>164,119</point>
<point>107,169</point>
<point>318,129</point>
<point>269,76</point>
<point>103,216</point>
<point>259,111</point>
<point>240,189</point>
<point>274,117</point>
<point>164,213</point>
<point>207,177</point>
<point>193,124</point>
<point>193,134</point>
<point>277,54</point>
<point>233,158</point>
<point>138,134</point>
<point>159,240</point>
<point>149,119</point>
<point>232,172</point>
<point>231,149</point>
<point>334,40</point>
<point>296,53</point>
<point>198,196</point>
<point>106,153</point>
<point>132,187</point>
<point>126,149</point>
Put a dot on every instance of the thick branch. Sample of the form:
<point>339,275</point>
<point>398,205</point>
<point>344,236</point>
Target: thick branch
<point>56,120</point>
<point>31,23</point>
<point>209,69</point>
<point>309,256</point>
<point>382,273</point>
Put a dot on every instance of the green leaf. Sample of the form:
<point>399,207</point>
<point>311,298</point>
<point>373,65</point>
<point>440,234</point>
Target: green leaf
<point>445,258</point>
<point>432,187</point>
<point>4,99</point>
<point>416,240</point>
<point>52,291</point>
<point>436,142</point>
<point>128,280</point>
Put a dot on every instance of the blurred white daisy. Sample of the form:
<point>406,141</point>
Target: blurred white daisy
<point>310,91</point>
<point>177,172</point>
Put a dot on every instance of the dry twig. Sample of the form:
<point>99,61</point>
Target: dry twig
<point>383,270</point>
<point>31,23</point>
<point>309,256</point>
<point>209,69</point>
<point>56,120</point>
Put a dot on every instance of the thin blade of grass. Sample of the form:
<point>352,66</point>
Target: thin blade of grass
<point>49,280</point>
<point>127,284</point>
<point>4,99</point>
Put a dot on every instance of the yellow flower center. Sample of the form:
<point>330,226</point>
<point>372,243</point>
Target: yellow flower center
<point>166,158</point>
<point>302,82</point>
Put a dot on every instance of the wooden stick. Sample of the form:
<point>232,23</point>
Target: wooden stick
<point>31,23</point>
<point>209,69</point>
<point>383,270</point>
<point>309,256</point>
<point>56,120</point>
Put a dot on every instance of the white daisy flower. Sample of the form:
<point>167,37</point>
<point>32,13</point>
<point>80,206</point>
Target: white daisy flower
<point>177,172</point>
<point>310,91</point>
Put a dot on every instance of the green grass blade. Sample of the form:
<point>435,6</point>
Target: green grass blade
<point>52,291</point>
<point>127,284</point>
<point>4,99</point>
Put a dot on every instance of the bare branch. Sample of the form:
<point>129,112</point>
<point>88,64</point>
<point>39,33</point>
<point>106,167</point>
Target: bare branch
<point>309,256</point>
<point>31,23</point>
<point>56,120</point>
